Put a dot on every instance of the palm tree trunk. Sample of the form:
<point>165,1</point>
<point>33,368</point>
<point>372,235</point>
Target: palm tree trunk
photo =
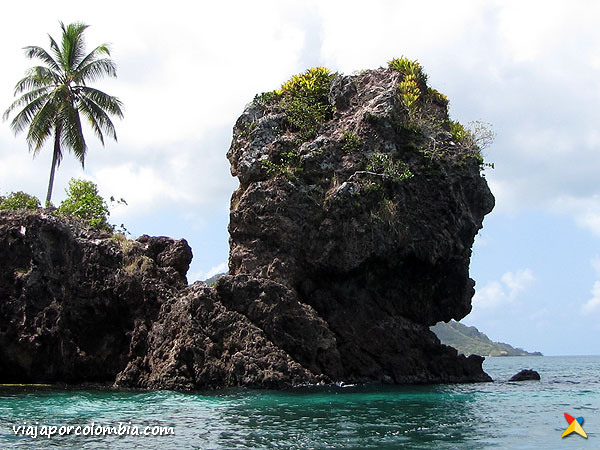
<point>54,164</point>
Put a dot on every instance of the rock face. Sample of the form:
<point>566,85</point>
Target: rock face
<point>80,306</point>
<point>197,342</point>
<point>349,237</point>
<point>369,243</point>
<point>71,297</point>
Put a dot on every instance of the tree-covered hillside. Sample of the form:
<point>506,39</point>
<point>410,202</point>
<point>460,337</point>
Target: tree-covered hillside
<point>469,340</point>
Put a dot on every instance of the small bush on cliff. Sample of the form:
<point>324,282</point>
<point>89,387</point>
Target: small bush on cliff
<point>409,92</point>
<point>350,142</point>
<point>482,134</point>
<point>459,132</point>
<point>305,100</point>
<point>19,200</point>
<point>383,164</point>
<point>434,95</point>
<point>268,97</point>
<point>83,201</point>
<point>287,165</point>
<point>474,138</point>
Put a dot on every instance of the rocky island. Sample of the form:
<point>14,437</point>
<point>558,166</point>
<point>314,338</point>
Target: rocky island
<point>350,235</point>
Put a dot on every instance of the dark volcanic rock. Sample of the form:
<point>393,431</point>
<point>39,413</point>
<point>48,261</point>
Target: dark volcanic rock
<point>525,374</point>
<point>376,257</point>
<point>197,342</point>
<point>345,247</point>
<point>70,297</point>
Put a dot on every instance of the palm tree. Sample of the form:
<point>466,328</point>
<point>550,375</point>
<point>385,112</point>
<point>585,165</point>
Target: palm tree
<point>56,93</point>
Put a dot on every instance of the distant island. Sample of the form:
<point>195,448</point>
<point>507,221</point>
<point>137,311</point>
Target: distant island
<point>469,341</point>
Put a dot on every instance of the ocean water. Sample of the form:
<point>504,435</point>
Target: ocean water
<point>503,415</point>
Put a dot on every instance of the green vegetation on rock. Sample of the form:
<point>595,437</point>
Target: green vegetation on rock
<point>421,103</point>
<point>383,164</point>
<point>19,201</point>
<point>350,142</point>
<point>287,165</point>
<point>413,78</point>
<point>304,100</point>
<point>408,68</point>
<point>469,341</point>
<point>84,201</point>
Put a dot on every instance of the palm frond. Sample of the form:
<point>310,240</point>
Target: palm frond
<point>103,49</point>
<point>112,105</point>
<point>30,102</point>
<point>98,118</point>
<point>72,133</point>
<point>42,123</point>
<point>37,77</point>
<point>57,54</point>
<point>96,70</point>
<point>95,117</point>
<point>24,118</point>
<point>73,44</point>
<point>34,51</point>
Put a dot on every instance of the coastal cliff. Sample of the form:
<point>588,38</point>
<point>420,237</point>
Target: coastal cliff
<point>71,297</point>
<point>350,234</point>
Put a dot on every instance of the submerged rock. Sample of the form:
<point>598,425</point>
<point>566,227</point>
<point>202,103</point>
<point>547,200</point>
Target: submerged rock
<point>350,235</point>
<point>525,374</point>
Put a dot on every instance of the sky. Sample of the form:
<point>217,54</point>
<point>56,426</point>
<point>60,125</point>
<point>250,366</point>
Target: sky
<point>187,69</point>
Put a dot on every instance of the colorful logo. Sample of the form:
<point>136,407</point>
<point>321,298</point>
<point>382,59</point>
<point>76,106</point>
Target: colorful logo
<point>574,426</point>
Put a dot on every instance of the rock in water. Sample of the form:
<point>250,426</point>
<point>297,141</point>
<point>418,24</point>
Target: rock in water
<point>525,374</point>
<point>350,235</point>
<point>365,225</point>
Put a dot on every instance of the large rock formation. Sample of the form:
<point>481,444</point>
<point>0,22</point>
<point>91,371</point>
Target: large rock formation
<point>364,230</point>
<point>351,234</point>
<point>71,297</point>
<point>82,306</point>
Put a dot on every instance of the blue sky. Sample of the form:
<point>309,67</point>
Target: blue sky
<point>531,69</point>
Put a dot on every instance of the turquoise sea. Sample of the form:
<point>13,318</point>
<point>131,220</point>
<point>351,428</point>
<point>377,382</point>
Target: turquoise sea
<point>503,415</point>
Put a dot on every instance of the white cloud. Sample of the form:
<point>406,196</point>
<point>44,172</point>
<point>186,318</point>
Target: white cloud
<point>517,282</point>
<point>526,39</point>
<point>593,304</point>
<point>355,37</point>
<point>220,268</point>
<point>585,210</point>
<point>145,187</point>
<point>507,290</point>
<point>489,296</point>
